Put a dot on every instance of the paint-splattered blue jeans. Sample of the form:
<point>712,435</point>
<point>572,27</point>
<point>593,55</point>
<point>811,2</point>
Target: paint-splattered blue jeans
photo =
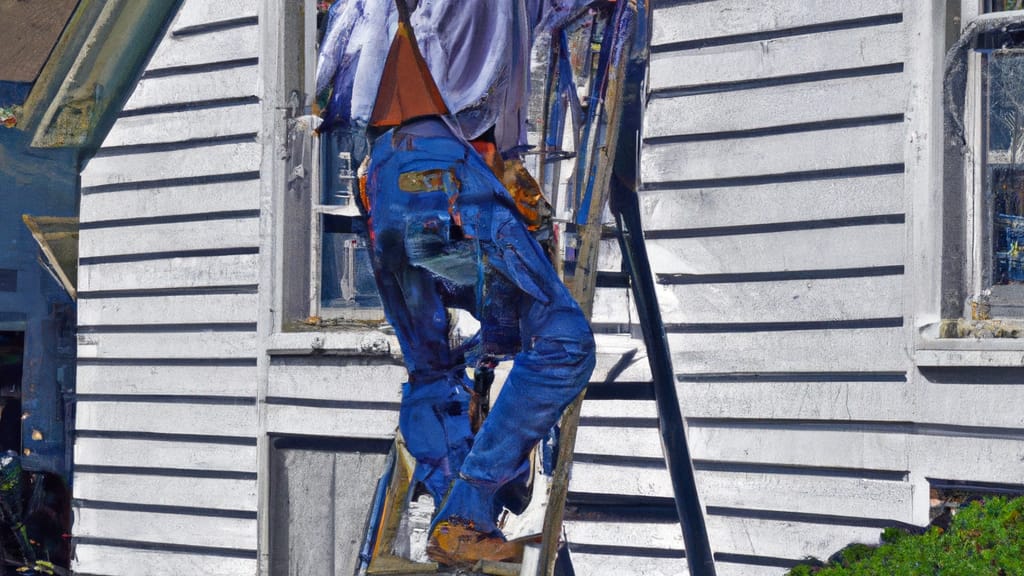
<point>445,233</point>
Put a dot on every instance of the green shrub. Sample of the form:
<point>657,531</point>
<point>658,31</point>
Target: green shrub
<point>983,539</point>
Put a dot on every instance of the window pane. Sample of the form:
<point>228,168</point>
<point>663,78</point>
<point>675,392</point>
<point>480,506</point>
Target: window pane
<point>1004,198</point>
<point>1003,5</point>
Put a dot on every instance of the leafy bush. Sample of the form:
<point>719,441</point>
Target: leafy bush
<point>983,539</point>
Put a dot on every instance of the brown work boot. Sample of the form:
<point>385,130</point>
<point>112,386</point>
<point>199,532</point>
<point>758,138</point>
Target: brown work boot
<point>456,542</point>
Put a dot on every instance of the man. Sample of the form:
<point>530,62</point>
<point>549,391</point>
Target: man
<point>445,232</point>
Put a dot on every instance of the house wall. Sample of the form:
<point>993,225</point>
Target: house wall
<point>166,460</point>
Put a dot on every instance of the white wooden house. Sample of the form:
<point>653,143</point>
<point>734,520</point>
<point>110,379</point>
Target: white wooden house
<point>807,232</point>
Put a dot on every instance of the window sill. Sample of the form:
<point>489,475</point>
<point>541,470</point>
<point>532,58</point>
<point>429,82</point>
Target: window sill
<point>336,343</point>
<point>953,352</point>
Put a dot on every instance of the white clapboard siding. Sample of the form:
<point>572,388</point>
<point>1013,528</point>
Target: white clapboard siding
<point>236,533</point>
<point>798,445</point>
<point>880,349</point>
<point>168,345</point>
<point>777,154</point>
<point>800,400</point>
<point>181,126</point>
<point>618,441</point>
<point>955,455</point>
<point>656,535</point>
<point>149,310</point>
<point>240,82</point>
<point>118,561</point>
<point>164,237</point>
<point>836,50</point>
<point>776,538</point>
<point>172,454</point>
<point>172,201</point>
<point>826,100</point>
<point>617,565</point>
<point>856,497</point>
<point>146,378</point>
<point>709,207</point>
<point>613,305</point>
<point>699,20</point>
<point>196,49</point>
<point>190,162</point>
<point>193,14</point>
<point>612,351</point>
<point>167,418</point>
<point>213,493</point>
<point>187,272</point>
<point>790,300</point>
<point>326,421</point>
<point>345,380</point>
<point>618,409</point>
<point>817,249</point>
<point>972,404</point>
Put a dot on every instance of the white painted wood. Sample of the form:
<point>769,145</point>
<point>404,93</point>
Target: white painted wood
<point>730,17</point>
<point>188,163</point>
<point>171,201</point>
<point>979,459</point>
<point>605,565</point>
<point>608,256</point>
<point>161,454</point>
<point>789,301</point>
<point>767,203</point>
<point>794,493</point>
<point>186,125</point>
<point>664,536</point>
<point>808,446</point>
<point>781,539</point>
<point>114,561</point>
<point>204,308</point>
<point>195,87</point>
<point>613,305</point>
<point>732,569</point>
<point>188,272</point>
<point>167,418</point>
<point>184,380</point>
<point>618,441</point>
<point>970,404</point>
<point>800,400</point>
<point>283,419</point>
<point>166,528</point>
<point>216,493</point>
<point>203,12</point>
<point>779,154</point>
<point>194,49</point>
<point>618,409</point>
<point>821,249</point>
<point>313,378</point>
<point>613,349</point>
<point>880,349</point>
<point>776,106</point>
<point>838,50</point>
<point>168,345</point>
<point>148,238</point>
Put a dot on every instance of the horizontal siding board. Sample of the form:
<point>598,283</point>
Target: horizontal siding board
<point>164,454</point>
<point>214,493</point>
<point>192,309</point>
<point>709,207</point>
<point>618,441</point>
<point>613,305</point>
<point>803,494</point>
<point>187,272</point>
<point>881,349</point>
<point>810,446</point>
<point>166,127</point>
<point>656,535</point>
<point>971,404</point>
<point>820,249</point>
<point>167,418</point>
<point>117,561</point>
<point>233,533</point>
<point>950,457</point>
<point>784,301</point>
<point>695,21</point>
<point>304,420</point>
<point>620,358</point>
<point>784,539</point>
<point>776,106</point>
<point>193,162</point>
<point>777,154</point>
<point>617,565</point>
<point>171,201</point>
<point>201,12</point>
<point>168,345</point>
<point>805,54</point>
<point>142,378</point>
<point>196,49</point>
<point>156,238</point>
<point>874,401</point>
<point>618,409</point>
<point>194,87</point>
<point>329,379</point>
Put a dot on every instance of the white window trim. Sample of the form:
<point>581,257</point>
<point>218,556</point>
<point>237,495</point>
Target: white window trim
<point>925,175</point>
